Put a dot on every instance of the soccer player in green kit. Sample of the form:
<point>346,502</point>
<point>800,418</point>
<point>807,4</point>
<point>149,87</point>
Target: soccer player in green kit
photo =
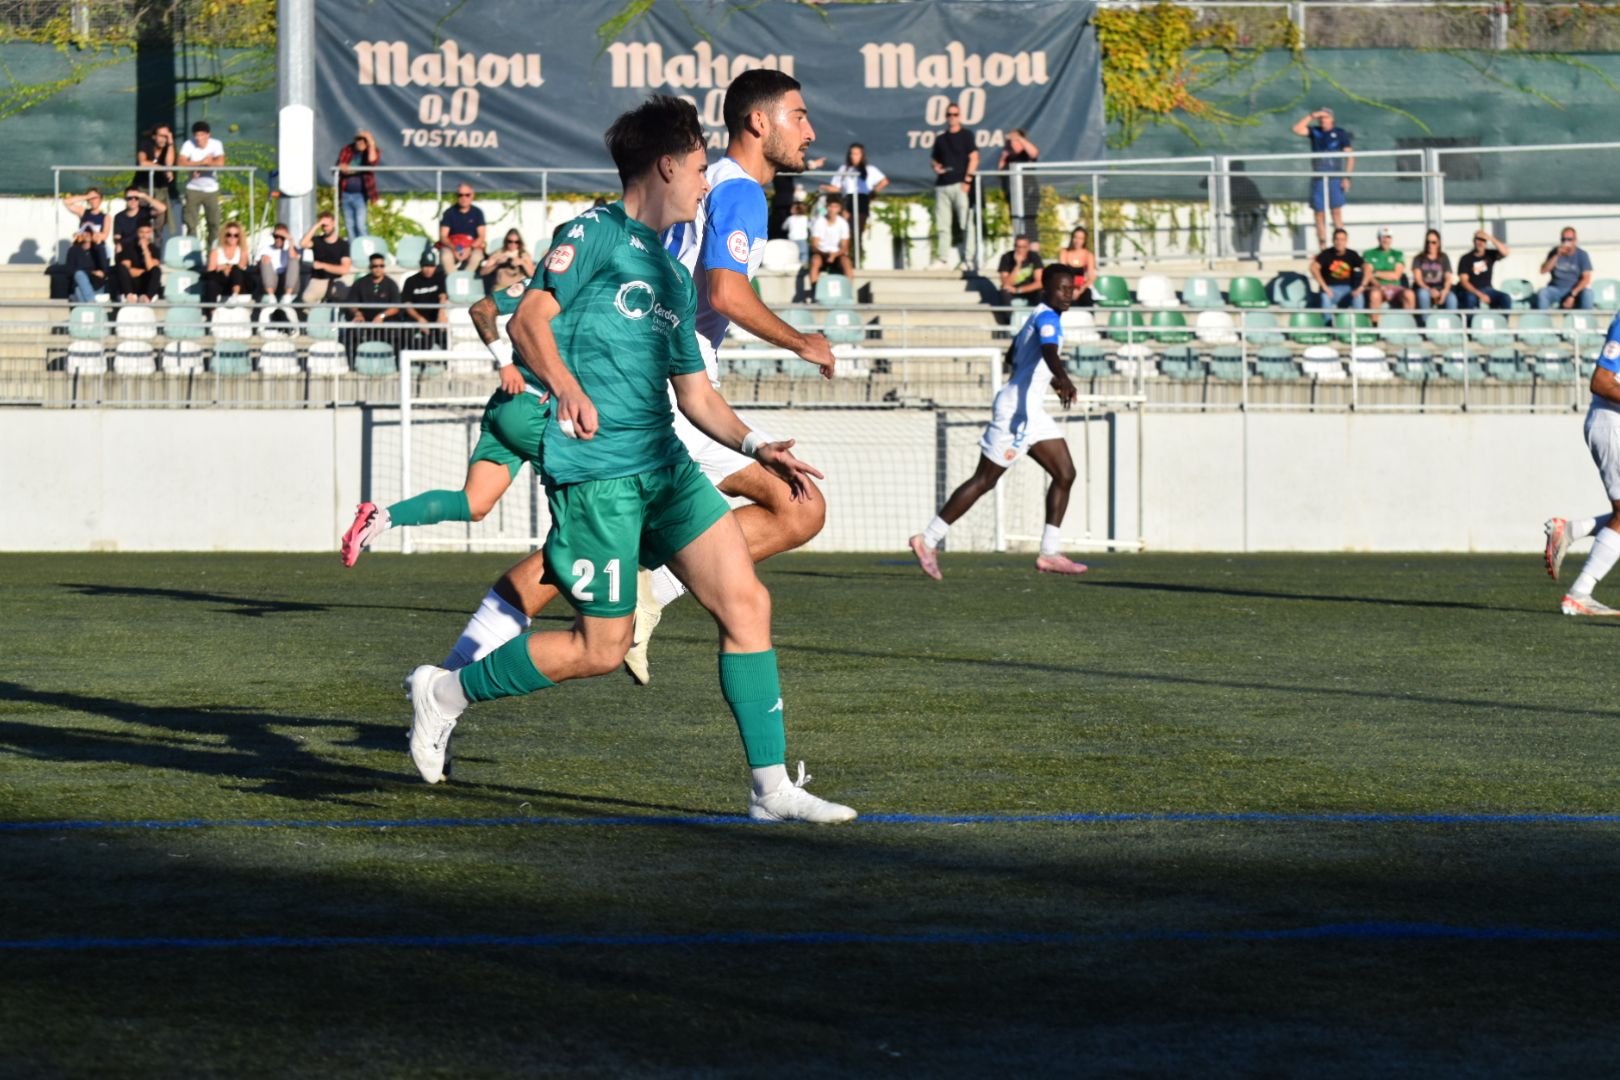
<point>608,328</point>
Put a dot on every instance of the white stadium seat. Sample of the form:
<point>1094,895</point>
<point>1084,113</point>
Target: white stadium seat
<point>1079,327</point>
<point>86,358</point>
<point>327,358</point>
<point>468,364</point>
<point>270,326</point>
<point>1369,364</point>
<point>781,256</point>
<point>1135,360</point>
<point>136,322</point>
<point>233,323</point>
<point>1156,291</point>
<point>135,358</point>
<point>1216,328</point>
<point>463,334</point>
<point>182,357</point>
<point>1322,362</point>
<point>278,356</point>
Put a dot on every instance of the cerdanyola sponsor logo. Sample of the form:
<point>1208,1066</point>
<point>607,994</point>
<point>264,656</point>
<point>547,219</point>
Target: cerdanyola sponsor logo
<point>446,120</point>
<point>636,300</point>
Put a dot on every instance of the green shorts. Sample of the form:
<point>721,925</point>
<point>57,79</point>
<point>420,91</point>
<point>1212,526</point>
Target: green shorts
<point>602,529</point>
<point>510,431</point>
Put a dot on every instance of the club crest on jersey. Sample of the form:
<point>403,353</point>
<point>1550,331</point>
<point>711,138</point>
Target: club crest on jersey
<point>737,244</point>
<point>517,288</point>
<point>560,259</point>
<point>1611,350</point>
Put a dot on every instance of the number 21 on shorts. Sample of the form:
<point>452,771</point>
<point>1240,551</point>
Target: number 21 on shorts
<point>585,573</point>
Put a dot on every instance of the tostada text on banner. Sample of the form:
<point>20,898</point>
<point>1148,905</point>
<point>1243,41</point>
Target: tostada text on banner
<point>528,83</point>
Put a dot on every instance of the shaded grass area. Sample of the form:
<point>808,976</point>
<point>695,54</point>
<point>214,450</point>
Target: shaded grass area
<point>265,687</point>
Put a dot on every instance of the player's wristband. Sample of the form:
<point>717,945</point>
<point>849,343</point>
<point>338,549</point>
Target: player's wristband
<point>753,441</point>
<point>501,349</point>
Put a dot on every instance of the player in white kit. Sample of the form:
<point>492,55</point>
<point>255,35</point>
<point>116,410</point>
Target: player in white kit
<point>1603,440</point>
<point>1019,425</point>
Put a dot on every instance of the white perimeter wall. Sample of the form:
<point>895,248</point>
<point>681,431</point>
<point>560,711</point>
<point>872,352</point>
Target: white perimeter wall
<point>288,480</point>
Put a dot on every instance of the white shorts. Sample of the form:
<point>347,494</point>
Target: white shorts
<point>1603,440</point>
<point>1010,435</point>
<point>716,461</point>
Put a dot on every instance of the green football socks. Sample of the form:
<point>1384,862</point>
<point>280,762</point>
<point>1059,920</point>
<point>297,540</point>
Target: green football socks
<point>430,508</point>
<point>750,685</point>
<point>507,672</point>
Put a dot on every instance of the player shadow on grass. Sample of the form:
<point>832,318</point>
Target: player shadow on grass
<point>1261,594</point>
<point>252,607</point>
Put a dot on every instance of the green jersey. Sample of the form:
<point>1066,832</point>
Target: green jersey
<point>626,327</point>
<point>1379,259</point>
<point>506,305</point>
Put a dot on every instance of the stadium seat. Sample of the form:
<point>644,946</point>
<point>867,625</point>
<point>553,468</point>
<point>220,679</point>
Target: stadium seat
<point>464,366</point>
<point>1322,362</point>
<point>182,286</point>
<point>1089,361</point>
<point>800,318</point>
<point>1606,294</point>
<point>1079,326</point>
<point>275,321</point>
<point>1398,330</point>
<point>1018,316</point>
<point>1260,328</point>
<point>1308,328</point>
<point>1126,326</point>
<point>1536,330</point>
<point>1134,361</point>
<point>86,357</point>
<point>135,358</point>
<point>87,322</point>
<point>844,326</point>
<point>184,322</point>
<point>1354,327</point>
<point>1519,290</point>
<point>1503,366</point>
<point>751,367</point>
<point>1155,291</point>
<point>462,287</point>
<point>780,256</point>
<point>1247,292</point>
<point>1178,362</point>
<point>233,323</point>
<point>408,252</point>
<point>183,253</point>
<point>1216,328</point>
<point>375,358</point>
<point>232,358</point>
<point>136,322</point>
<point>1111,291</point>
<point>1490,330</point>
<point>463,334</point>
<point>362,248</point>
<point>1459,367</point>
<point>1275,362</point>
<point>1226,363</point>
<point>320,322</point>
<point>1368,363</point>
<point>278,356</point>
<point>1289,289</point>
<point>327,358</point>
<point>1414,364</point>
<point>1170,327</point>
<point>1444,329</point>
<point>182,357</point>
<point>834,289</point>
<point>1554,366</point>
<point>1201,292</point>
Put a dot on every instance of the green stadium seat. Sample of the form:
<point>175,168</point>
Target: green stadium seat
<point>1089,361</point>
<point>1444,329</point>
<point>844,326</point>
<point>834,289</point>
<point>1399,330</point>
<point>375,358</point>
<point>1456,366</point>
<point>232,358</point>
<point>1518,289</point>
<point>753,366</point>
<point>1126,326</point>
<point>1170,327</point>
<point>1201,292</point>
<point>1309,328</point>
<point>1490,329</point>
<point>1226,363</point>
<point>1290,289</point>
<point>181,286</point>
<point>88,321</point>
<point>1111,291</point>
<point>408,252</point>
<point>1178,362</point>
<point>800,318</point>
<point>321,322</point>
<point>1606,294</point>
<point>183,253</point>
<point>1247,292</point>
<point>1536,330</point>
<point>1275,362</point>
<point>1503,365</point>
<point>183,322</point>
<point>1414,364</point>
<point>362,248</point>
<point>1554,366</point>
<point>462,287</point>
<point>1344,322</point>
<point>1260,328</point>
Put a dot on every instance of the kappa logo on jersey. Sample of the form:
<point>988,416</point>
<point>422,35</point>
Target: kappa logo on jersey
<point>577,233</point>
<point>737,244</point>
<point>1611,350</point>
<point>637,244</point>
<point>560,259</point>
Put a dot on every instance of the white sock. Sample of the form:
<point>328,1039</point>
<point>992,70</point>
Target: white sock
<point>1587,526</point>
<point>1605,550</point>
<point>448,694</point>
<point>494,624</point>
<point>934,534</point>
<point>1051,542</point>
<point>768,778</point>
<point>666,587</point>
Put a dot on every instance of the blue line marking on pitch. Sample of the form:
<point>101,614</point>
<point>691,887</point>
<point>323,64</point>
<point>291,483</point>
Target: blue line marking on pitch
<point>1233,818</point>
<point>1372,931</point>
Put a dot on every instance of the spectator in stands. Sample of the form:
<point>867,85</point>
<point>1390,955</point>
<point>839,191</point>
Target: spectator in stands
<point>1474,272</point>
<point>1388,266</point>
<point>227,272</point>
<point>507,265</point>
<point>331,265</point>
<point>955,160</point>
<point>462,233</point>
<point>90,209</point>
<point>1079,256</point>
<point>1020,273</point>
<point>857,180</point>
<point>829,243</point>
<point>358,190</point>
<point>157,148</point>
<point>279,265</point>
<point>1569,272</point>
<point>85,266</point>
<point>785,192</point>
<point>202,189</point>
<point>1342,275</point>
<point>1327,192</point>
<point>1432,278</point>
<point>423,295</point>
<point>376,288</point>
<point>138,274</point>
<point>139,209</point>
<point>1020,150</point>
<point>797,229</point>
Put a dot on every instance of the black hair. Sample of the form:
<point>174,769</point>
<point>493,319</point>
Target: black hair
<point>757,88</point>
<point>201,125</point>
<point>854,146</point>
<point>660,125</point>
<point>1050,273</point>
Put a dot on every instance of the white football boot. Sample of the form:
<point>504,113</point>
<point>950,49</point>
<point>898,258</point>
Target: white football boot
<point>430,727</point>
<point>648,612</point>
<point>791,802</point>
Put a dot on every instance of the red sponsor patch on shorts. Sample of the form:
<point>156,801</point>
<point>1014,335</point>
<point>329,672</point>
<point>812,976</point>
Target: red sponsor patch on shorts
<point>560,259</point>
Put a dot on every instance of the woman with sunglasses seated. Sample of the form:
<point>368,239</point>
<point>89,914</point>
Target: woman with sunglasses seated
<point>507,265</point>
<point>227,267</point>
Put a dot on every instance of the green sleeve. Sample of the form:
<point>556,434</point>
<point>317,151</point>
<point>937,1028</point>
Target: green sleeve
<point>577,253</point>
<point>684,357</point>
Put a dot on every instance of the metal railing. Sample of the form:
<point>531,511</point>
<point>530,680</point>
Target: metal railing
<point>174,220</point>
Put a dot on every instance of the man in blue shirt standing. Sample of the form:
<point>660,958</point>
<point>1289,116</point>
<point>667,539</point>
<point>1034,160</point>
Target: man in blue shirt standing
<point>1327,192</point>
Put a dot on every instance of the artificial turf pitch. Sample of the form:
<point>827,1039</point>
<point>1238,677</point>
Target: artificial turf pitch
<point>1337,815</point>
